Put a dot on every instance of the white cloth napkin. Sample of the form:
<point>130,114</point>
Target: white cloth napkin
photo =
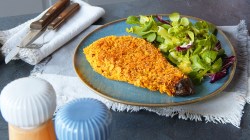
<point>50,41</point>
<point>226,107</point>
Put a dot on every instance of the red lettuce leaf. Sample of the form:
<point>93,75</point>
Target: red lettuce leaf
<point>180,49</point>
<point>159,18</point>
<point>227,63</point>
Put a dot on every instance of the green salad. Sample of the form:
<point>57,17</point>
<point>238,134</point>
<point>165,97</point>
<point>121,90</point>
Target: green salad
<point>192,47</point>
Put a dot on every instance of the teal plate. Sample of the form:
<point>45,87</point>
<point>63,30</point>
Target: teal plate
<point>125,93</point>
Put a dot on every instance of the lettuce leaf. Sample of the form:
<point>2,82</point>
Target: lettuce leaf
<point>192,47</point>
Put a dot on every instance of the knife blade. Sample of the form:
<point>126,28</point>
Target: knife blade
<point>38,27</point>
<point>30,37</point>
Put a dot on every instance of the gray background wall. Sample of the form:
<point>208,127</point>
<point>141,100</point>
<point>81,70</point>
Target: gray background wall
<point>21,7</point>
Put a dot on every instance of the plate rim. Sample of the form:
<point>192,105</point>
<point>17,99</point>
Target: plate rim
<point>216,92</point>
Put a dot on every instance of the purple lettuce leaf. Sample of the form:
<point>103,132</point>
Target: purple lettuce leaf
<point>227,63</point>
<point>179,48</point>
<point>159,18</point>
<point>218,46</point>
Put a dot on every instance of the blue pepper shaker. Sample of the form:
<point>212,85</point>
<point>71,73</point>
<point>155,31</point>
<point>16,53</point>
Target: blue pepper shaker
<point>83,119</point>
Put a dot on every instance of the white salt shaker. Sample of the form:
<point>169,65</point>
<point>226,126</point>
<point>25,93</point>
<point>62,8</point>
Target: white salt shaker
<point>28,104</point>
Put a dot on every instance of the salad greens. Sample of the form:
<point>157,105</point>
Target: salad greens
<point>192,47</point>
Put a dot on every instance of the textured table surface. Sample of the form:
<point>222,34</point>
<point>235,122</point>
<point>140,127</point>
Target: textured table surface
<point>145,125</point>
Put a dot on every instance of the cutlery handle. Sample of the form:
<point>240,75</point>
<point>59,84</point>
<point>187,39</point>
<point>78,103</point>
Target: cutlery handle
<point>69,11</point>
<point>51,14</point>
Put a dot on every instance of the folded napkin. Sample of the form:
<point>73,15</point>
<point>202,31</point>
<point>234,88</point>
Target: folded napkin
<point>50,41</point>
<point>226,107</point>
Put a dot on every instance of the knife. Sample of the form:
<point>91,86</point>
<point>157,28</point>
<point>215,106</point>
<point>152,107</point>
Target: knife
<point>38,27</point>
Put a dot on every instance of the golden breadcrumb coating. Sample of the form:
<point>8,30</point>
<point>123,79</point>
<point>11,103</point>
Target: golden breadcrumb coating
<point>133,60</point>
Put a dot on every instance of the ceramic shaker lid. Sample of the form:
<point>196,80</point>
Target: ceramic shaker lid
<point>83,119</point>
<point>28,102</point>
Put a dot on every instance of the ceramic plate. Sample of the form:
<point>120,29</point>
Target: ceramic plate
<point>128,94</point>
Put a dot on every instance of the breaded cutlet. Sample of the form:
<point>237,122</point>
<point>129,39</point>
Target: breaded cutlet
<point>138,62</point>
